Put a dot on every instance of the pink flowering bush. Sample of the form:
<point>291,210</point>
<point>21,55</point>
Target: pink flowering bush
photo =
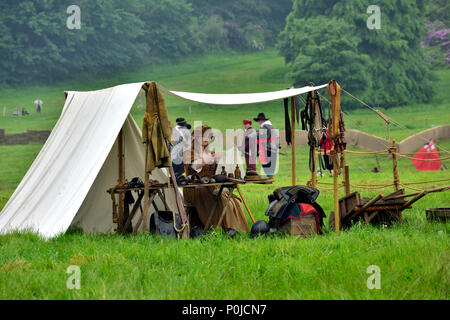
<point>436,44</point>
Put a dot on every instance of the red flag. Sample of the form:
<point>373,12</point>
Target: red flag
<point>428,152</point>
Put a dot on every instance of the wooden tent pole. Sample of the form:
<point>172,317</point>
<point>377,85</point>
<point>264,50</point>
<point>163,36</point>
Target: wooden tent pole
<point>394,166</point>
<point>146,194</point>
<point>346,180</point>
<point>314,169</point>
<point>337,219</point>
<point>314,155</point>
<point>121,180</point>
<point>334,89</point>
<point>294,180</point>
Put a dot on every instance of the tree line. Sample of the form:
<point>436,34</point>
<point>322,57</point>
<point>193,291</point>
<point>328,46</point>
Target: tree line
<point>36,44</point>
<point>320,39</point>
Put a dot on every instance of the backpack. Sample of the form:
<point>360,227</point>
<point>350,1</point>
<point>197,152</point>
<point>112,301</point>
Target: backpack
<point>283,201</point>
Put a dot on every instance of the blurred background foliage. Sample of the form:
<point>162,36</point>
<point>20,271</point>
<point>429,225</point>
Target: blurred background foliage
<point>319,39</point>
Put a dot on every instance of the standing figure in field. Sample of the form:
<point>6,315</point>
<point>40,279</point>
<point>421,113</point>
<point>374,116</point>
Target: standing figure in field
<point>268,145</point>
<point>203,163</point>
<point>249,146</point>
<point>16,112</point>
<point>38,103</point>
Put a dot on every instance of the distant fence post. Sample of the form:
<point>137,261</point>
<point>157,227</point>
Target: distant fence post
<point>393,151</point>
<point>346,180</point>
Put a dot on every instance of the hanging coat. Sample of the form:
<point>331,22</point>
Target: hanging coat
<point>156,130</point>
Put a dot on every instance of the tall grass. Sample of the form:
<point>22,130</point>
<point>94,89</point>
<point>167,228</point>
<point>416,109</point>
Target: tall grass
<point>413,256</point>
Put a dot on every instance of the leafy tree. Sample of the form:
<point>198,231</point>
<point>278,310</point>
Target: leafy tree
<point>384,66</point>
<point>35,43</point>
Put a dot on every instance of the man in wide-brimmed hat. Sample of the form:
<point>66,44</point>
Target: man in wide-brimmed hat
<point>181,136</point>
<point>267,144</point>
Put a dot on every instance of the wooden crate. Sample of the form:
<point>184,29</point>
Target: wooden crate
<point>438,214</point>
<point>305,227</point>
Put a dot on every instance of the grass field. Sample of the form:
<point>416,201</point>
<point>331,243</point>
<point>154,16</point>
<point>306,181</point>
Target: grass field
<point>413,256</point>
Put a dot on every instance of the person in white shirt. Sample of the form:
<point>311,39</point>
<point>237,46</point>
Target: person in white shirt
<point>181,135</point>
<point>38,102</point>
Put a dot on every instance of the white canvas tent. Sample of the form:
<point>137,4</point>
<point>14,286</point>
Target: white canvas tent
<point>66,184</point>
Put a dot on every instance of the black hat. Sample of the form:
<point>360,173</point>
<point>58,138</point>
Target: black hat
<point>260,116</point>
<point>260,227</point>
<point>182,123</point>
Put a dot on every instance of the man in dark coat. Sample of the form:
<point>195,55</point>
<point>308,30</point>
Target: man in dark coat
<point>268,144</point>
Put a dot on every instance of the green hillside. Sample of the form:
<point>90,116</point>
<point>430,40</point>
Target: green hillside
<point>227,73</point>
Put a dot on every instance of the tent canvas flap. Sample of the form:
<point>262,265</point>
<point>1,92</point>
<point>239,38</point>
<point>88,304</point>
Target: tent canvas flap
<point>55,186</point>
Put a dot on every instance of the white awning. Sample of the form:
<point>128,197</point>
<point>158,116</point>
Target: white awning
<point>240,98</point>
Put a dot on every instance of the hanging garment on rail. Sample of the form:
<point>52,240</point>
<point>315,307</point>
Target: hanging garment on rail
<point>314,122</point>
<point>156,129</point>
<point>287,123</point>
<point>325,149</point>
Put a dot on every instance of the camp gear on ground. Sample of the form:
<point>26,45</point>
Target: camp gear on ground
<point>261,116</point>
<point>259,228</point>
<point>164,224</point>
<point>303,221</point>
<point>383,210</point>
<point>438,214</point>
<point>197,232</point>
<point>156,129</point>
<point>294,203</point>
<point>231,232</point>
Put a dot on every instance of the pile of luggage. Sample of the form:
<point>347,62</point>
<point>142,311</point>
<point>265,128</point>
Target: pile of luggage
<point>292,210</point>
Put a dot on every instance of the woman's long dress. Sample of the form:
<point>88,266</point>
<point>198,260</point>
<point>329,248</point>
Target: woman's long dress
<point>204,200</point>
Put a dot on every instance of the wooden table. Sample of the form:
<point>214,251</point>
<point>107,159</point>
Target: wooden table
<point>158,190</point>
